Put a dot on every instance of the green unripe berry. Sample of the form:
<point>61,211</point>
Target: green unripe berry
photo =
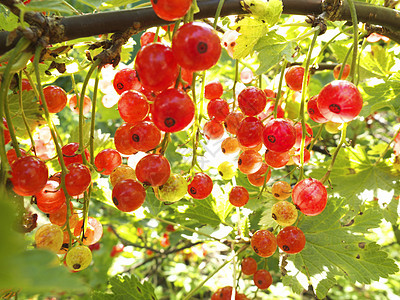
<point>79,258</point>
<point>227,170</point>
<point>174,189</point>
<point>284,213</point>
<point>332,127</point>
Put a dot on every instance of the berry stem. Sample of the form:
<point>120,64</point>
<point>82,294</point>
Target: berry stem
<point>316,137</point>
<point>235,82</point>
<point>93,118</point>
<point>335,154</point>
<point>355,42</point>
<point>387,148</point>
<point>278,95</point>
<point>344,61</point>
<point>21,107</point>
<point>156,34</point>
<point>218,12</point>
<point>192,292</point>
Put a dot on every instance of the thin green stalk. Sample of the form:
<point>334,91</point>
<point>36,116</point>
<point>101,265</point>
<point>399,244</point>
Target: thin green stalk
<point>387,148</point>
<point>192,292</point>
<point>335,154</point>
<point>93,119</point>
<point>345,60</point>
<point>235,82</point>
<point>320,56</point>
<point>278,95</point>
<point>260,81</point>
<point>156,35</point>
<point>355,37</point>
<point>306,35</point>
<point>64,170</point>
<point>303,103</point>
<point>358,62</point>
<point>316,137</point>
<point>218,12</point>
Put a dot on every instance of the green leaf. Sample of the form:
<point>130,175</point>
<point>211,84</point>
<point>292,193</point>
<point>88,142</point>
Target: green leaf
<point>127,288</point>
<point>251,31</point>
<point>293,283</point>
<point>267,10</point>
<point>46,5</point>
<point>8,21</point>
<point>336,249</point>
<point>203,211</point>
<point>152,203</point>
<point>33,113</point>
<point>378,61</point>
<point>266,218</point>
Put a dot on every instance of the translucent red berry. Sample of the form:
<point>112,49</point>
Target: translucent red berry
<point>153,169</point>
<point>213,90</point>
<point>71,154</point>
<point>213,130</point>
<point>276,159</point>
<point>260,177</point>
<point>263,243</point>
<point>50,198</point>
<point>299,133</point>
<point>224,293</point>
<point>74,104</point>
<point>250,132</point>
<point>294,78</point>
<point>262,279</point>
<point>78,179</point>
<point>56,98</point>
<point>145,136</point>
<point>313,111</point>
<point>107,160</point>
<point>122,139</point>
<point>171,10</point>
<point>346,71</point>
<point>133,106</point>
<point>249,266</point>
<point>249,162</point>
<point>238,196</point>
<point>279,135</point>
<point>232,121</point>
<point>291,239</point>
<point>128,195</point>
<point>218,109</point>
<point>201,186</point>
<point>310,196</point>
<point>230,145</point>
<point>252,101</point>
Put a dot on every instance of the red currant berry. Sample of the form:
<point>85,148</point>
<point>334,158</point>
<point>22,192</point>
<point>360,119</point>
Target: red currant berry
<point>264,243</point>
<point>71,155</point>
<point>232,121</point>
<point>271,95</point>
<point>93,231</point>
<point>50,198</point>
<point>249,162</point>
<point>122,139</point>
<point>262,279</point>
<point>78,179</point>
<point>224,293</point>
<point>153,169</point>
<point>26,85</point>
<point>201,186</point>
<point>249,266</point>
<point>258,178</point>
<point>120,173</point>
<point>294,78</point>
<point>230,145</point>
<point>28,175</point>
<point>12,155</point>
<point>310,196</point>
<point>313,111</point>
<point>213,130</point>
<point>56,98</point>
<point>276,159</point>
<point>218,109</point>
<point>145,136</point>
<point>213,90</point>
<point>238,196</point>
<point>156,67</point>
<point>171,10</point>
<point>133,106</point>
<point>172,111</point>
<point>59,217</point>
<point>250,132</point>
<point>291,239</point>
<point>170,228</point>
<point>299,132</point>
<point>196,46</point>
<point>279,135</point>
<point>148,38</point>
<point>306,157</point>
<point>281,190</point>
<point>74,104</point>
<point>346,71</point>
<point>107,160</point>
<point>128,195</point>
<point>340,101</point>
<point>252,101</point>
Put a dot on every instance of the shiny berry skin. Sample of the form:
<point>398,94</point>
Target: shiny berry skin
<point>156,67</point>
<point>249,266</point>
<point>148,38</point>
<point>232,121</point>
<point>7,137</point>
<point>196,46</point>
<point>125,80</point>
<point>262,279</point>
<point>93,231</point>
<point>284,213</point>
<point>281,190</point>
<point>28,175</point>
<point>145,136</point>
<point>74,104</point>
<point>279,135</point>
<point>201,186</point>
<point>340,101</point>
<point>291,239</point>
<point>313,111</point>
<point>227,170</point>
<point>71,155</point>
<point>224,293</point>
<point>78,179</point>
<point>213,130</point>
<point>332,127</point>
<point>173,110</point>
<point>346,71</point>
<point>310,196</point>
<point>133,106</point>
<point>249,162</point>
<point>264,243</point>
<point>50,237</point>
<point>78,258</point>
<point>238,196</point>
<point>173,190</point>
<point>120,173</point>
<point>218,109</point>
<point>276,159</point>
<point>50,198</point>
<point>230,145</point>
<point>258,178</point>
<point>299,133</point>
<point>252,101</point>
<point>12,155</point>
<point>56,98</point>
<point>250,132</point>
<point>294,78</point>
<point>59,217</point>
<point>213,90</point>
<point>122,139</point>
<point>128,195</point>
<point>26,85</point>
<point>107,160</point>
<point>153,169</point>
<point>171,10</point>
<point>296,157</point>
